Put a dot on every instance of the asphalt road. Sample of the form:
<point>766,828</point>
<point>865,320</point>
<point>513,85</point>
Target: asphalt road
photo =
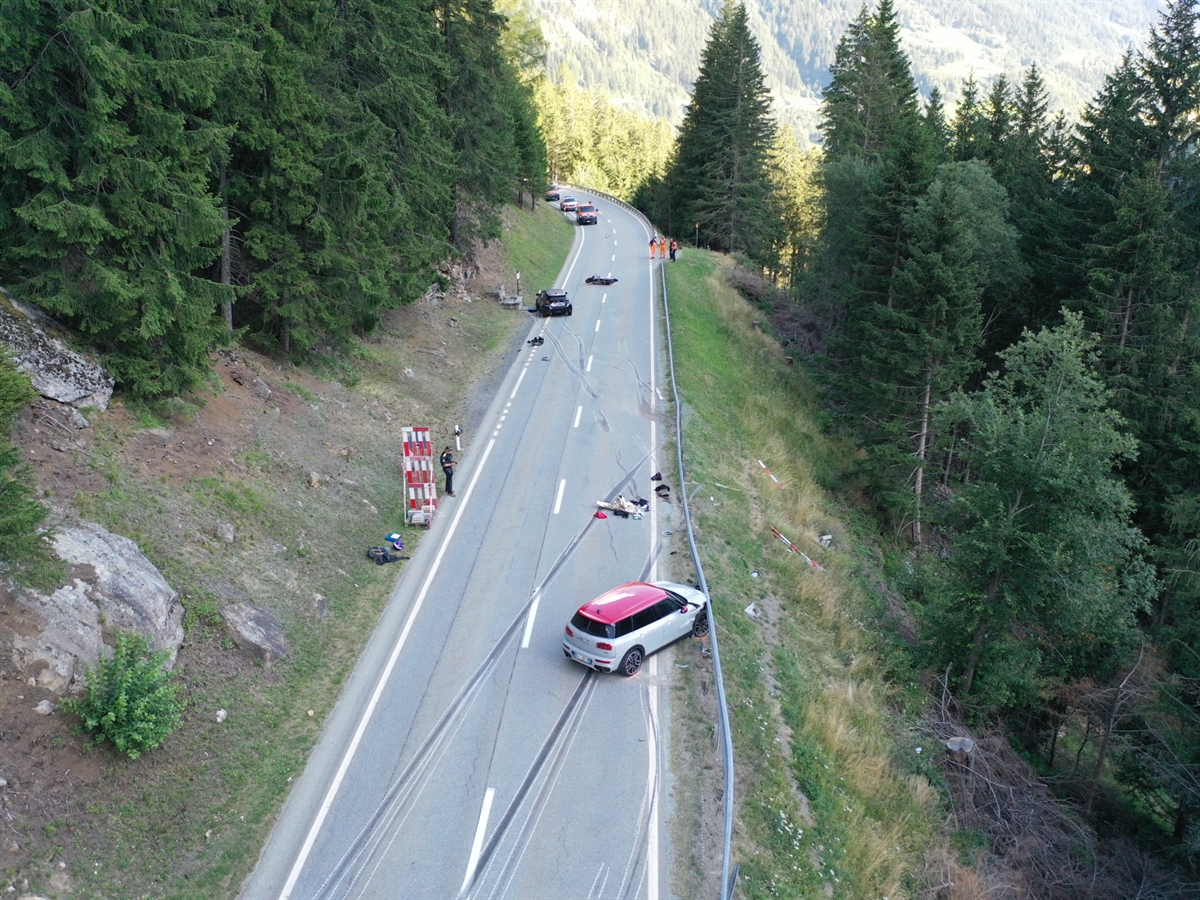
<point>467,757</point>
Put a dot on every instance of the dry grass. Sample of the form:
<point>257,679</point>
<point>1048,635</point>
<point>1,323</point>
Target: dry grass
<point>831,801</point>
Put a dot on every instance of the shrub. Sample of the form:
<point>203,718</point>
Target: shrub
<point>129,701</point>
<point>25,552</point>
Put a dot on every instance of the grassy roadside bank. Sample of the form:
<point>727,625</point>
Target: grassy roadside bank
<point>834,797</point>
<point>309,478</point>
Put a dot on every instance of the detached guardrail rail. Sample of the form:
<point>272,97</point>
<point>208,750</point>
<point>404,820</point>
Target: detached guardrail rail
<point>724,736</point>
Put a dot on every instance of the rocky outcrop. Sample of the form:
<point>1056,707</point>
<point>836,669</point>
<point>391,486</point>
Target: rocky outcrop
<point>243,375</point>
<point>41,348</point>
<point>113,588</point>
<point>256,631</point>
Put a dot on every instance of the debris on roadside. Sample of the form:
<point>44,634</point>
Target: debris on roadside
<point>812,563</point>
<point>625,508</point>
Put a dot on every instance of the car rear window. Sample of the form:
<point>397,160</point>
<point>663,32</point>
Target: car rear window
<point>592,627</point>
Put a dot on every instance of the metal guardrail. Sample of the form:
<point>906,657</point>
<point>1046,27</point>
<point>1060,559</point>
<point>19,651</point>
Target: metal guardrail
<point>724,735</point>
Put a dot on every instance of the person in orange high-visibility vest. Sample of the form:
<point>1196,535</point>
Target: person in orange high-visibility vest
<point>653,244</point>
<point>662,248</point>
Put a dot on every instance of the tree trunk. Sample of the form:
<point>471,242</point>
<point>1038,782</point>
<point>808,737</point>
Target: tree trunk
<point>224,264</point>
<point>980,633</point>
<point>922,450</point>
<point>1054,741</point>
<point>1122,693</point>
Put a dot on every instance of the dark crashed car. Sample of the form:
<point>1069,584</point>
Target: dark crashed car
<point>553,302</point>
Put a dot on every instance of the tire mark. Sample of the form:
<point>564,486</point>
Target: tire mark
<point>549,759</point>
<point>375,831</point>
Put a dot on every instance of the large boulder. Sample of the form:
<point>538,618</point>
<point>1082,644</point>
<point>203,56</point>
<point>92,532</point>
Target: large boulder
<point>113,588</point>
<point>255,630</point>
<point>41,348</point>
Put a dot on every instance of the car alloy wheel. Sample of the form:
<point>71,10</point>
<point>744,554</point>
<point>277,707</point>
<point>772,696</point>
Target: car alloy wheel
<point>631,662</point>
<point>700,625</point>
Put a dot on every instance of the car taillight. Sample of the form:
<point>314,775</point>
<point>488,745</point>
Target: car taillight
<point>603,646</point>
<point>570,632</point>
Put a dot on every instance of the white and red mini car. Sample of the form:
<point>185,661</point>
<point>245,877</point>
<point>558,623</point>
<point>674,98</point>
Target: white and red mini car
<point>621,627</point>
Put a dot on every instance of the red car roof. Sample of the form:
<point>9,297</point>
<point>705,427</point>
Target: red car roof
<point>614,605</point>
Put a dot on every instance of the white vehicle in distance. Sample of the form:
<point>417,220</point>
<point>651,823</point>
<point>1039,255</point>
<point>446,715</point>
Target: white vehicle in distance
<point>620,628</point>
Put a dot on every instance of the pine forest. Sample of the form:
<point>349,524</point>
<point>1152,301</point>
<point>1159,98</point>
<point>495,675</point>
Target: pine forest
<point>1004,312</point>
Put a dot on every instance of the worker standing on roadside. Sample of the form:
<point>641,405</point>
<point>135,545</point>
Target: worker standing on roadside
<point>662,248</point>
<point>448,464</point>
<point>674,248</point>
<point>653,244</point>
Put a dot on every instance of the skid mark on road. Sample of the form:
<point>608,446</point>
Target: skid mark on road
<point>365,852</point>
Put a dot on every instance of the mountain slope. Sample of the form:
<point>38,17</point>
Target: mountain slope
<point>646,54</point>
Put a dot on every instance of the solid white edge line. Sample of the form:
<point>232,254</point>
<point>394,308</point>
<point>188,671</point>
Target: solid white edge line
<point>477,844</point>
<point>327,803</point>
<point>652,837</point>
<point>652,749</point>
<point>562,486</point>
<point>578,413</point>
<point>533,608</point>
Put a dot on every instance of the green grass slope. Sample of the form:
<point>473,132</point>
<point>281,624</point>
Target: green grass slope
<point>834,800</point>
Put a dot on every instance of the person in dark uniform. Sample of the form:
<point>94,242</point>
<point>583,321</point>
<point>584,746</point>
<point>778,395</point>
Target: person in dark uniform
<point>448,464</point>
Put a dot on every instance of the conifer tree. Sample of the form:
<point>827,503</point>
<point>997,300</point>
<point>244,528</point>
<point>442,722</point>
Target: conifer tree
<point>939,128</point>
<point>883,158</point>
<point>720,180</point>
<point>481,94</point>
<point>105,214</point>
<point>924,345</point>
<point>970,123</point>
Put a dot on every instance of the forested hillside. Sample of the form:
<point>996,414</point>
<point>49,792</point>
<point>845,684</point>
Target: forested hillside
<point>175,176</point>
<point>1011,310</point>
<point>1002,308</point>
<point>646,54</point>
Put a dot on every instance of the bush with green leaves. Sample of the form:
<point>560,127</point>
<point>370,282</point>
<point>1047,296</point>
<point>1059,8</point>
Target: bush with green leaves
<point>25,552</point>
<point>129,701</point>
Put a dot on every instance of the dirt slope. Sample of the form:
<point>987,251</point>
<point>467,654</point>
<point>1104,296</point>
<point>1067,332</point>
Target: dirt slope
<point>308,474</point>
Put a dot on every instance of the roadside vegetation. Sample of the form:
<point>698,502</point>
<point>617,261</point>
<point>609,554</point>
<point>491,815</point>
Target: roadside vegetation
<point>997,309</point>
<point>187,819</point>
<point>836,796</point>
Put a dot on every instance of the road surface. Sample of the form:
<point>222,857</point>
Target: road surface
<point>467,757</point>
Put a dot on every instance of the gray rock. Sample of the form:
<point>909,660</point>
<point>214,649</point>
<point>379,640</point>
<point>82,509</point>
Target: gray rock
<point>113,587</point>
<point>41,347</point>
<point>241,374</point>
<point>44,708</point>
<point>131,593</point>
<point>255,630</point>
<point>226,532</point>
<point>70,639</point>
